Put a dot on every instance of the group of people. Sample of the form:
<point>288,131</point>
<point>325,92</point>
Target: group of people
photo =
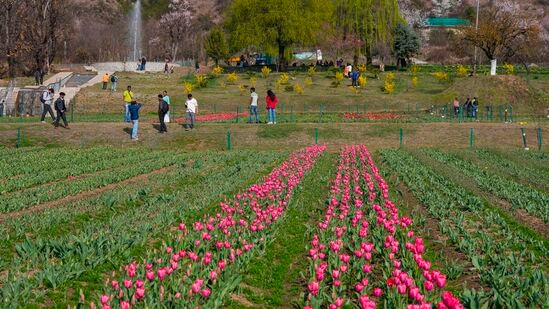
<point>470,107</point>
<point>353,75</point>
<point>131,111</point>
<point>113,79</point>
<point>59,105</point>
<point>271,100</point>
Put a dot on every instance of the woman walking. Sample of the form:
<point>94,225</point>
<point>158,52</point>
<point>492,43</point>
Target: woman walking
<point>271,100</point>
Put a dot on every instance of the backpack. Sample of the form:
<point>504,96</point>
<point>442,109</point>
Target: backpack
<point>165,107</point>
<point>113,79</point>
<point>42,98</point>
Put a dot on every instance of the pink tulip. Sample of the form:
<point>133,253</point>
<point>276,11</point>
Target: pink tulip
<point>359,287</point>
<point>125,304</point>
<point>401,288</point>
<point>161,273</point>
<point>428,285</point>
<point>139,283</point>
<point>114,284</point>
<point>205,293</point>
<point>128,283</point>
<point>177,295</point>
<point>313,287</point>
<point>182,226</point>
<point>335,273</point>
<point>104,299</point>
<point>150,275</point>
<point>139,293</point>
<point>377,292</point>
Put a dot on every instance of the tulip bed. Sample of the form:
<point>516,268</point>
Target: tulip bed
<point>363,254</point>
<point>200,264</point>
<point>510,258</point>
<point>532,200</point>
<point>65,247</point>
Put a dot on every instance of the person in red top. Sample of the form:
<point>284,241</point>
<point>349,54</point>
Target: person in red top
<point>271,100</point>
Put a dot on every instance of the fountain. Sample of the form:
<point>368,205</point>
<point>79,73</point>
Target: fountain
<point>136,30</point>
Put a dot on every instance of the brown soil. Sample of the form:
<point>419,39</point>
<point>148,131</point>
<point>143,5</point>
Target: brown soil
<point>242,300</point>
<point>82,195</point>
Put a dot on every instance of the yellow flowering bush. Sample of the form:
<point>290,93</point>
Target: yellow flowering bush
<point>188,87</point>
<point>298,89</point>
<point>509,69</point>
<point>232,78</point>
<point>415,81</point>
<point>283,79</point>
<point>362,68</point>
<point>441,76</point>
<point>461,71</point>
<point>308,82</point>
<point>200,81</point>
<point>311,71</point>
<point>414,69</point>
<point>389,87</point>
<point>265,71</point>
<point>253,81</point>
<point>338,78</point>
<point>362,81</point>
<point>217,71</point>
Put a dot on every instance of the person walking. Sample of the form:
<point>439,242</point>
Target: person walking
<point>166,99</point>
<point>105,81</point>
<point>355,78</point>
<point>46,99</point>
<point>143,63</point>
<point>474,108</point>
<point>191,106</point>
<point>456,107</point>
<point>61,109</point>
<point>271,101</point>
<point>163,108</point>
<point>128,98</point>
<point>467,107</point>
<point>37,76</point>
<point>134,116</point>
<point>253,106</point>
<point>114,82</point>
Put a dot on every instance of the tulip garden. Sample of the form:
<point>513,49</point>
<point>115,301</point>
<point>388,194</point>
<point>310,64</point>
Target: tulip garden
<point>103,227</point>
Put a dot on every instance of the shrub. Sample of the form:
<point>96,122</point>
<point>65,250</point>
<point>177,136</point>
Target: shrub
<point>362,68</point>
<point>188,87</point>
<point>414,69</point>
<point>461,71</point>
<point>390,77</point>
<point>362,81</point>
<point>232,78</point>
<point>200,81</point>
<point>217,71</point>
<point>308,81</point>
<point>283,79</point>
<point>242,89</point>
<point>441,76</point>
<point>298,89</point>
<point>509,69</point>
<point>338,79</point>
<point>253,81</point>
<point>415,80</point>
<point>265,71</point>
<point>389,87</point>
<point>311,71</point>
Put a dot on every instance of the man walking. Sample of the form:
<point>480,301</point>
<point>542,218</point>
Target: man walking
<point>105,81</point>
<point>128,98</point>
<point>134,116</point>
<point>253,106</point>
<point>114,82</point>
<point>61,109</point>
<point>166,99</point>
<point>190,113</point>
<point>163,109</point>
<point>46,99</point>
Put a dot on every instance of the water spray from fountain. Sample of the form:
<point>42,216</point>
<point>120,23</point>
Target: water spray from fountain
<point>136,30</point>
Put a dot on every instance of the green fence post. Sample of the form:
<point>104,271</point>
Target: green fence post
<point>237,112</point>
<point>316,135</point>
<point>18,138</point>
<point>72,109</point>
<point>229,139</point>
<point>540,141</point>
<point>511,113</point>
<point>400,137</point>
<point>471,138</point>
<point>460,114</point>
<point>524,139</point>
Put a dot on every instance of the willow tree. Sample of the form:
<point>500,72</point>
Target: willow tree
<point>371,21</point>
<point>276,26</point>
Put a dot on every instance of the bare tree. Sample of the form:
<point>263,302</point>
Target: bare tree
<point>177,23</point>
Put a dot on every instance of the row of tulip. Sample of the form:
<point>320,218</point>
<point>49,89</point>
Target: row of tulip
<point>370,116</point>
<point>508,259</point>
<point>85,237</point>
<point>200,264</point>
<point>363,253</point>
<point>215,117</point>
<point>534,201</point>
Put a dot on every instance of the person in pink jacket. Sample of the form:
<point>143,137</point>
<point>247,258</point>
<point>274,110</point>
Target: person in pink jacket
<point>271,100</point>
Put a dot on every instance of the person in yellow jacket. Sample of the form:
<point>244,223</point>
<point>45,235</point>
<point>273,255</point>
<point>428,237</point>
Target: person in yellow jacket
<point>105,81</point>
<point>128,98</point>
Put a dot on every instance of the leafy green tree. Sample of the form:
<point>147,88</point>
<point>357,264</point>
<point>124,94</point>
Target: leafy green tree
<point>216,45</point>
<point>370,21</point>
<point>276,26</point>
<point>406,44</point>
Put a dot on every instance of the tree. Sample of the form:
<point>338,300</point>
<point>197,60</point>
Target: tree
<point>406,44</point>
<point>372,21</point>
<point>276,25</point>
<point>216,45</point>
<point>177,22</point>
<point>503,32</point>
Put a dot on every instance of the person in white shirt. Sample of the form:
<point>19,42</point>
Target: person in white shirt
<point>46,99</point>
<point>253,106</point>
<point>350,70</point>
<point>191,110</point>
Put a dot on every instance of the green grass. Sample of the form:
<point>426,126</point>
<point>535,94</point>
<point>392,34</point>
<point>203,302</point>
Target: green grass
<point>274,279</point>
